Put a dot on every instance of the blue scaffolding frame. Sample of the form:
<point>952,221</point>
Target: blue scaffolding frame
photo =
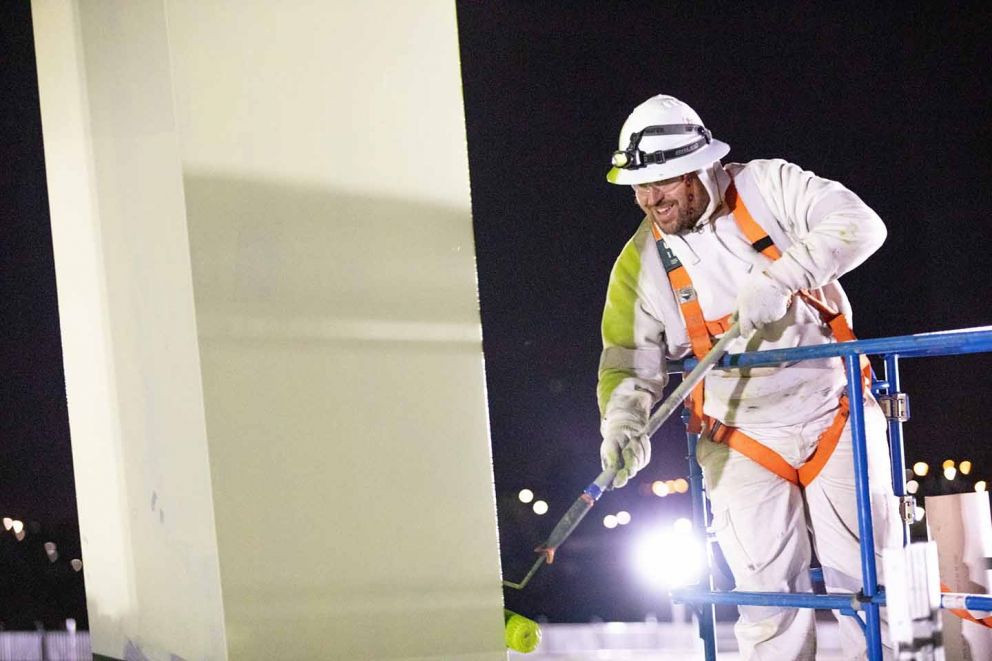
<point>703,598</point>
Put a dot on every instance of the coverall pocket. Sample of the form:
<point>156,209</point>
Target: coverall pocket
<point>766,544</point>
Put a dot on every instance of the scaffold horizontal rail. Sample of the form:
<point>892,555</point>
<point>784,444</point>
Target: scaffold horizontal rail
<point>836,601</point>
<point>945,343</point>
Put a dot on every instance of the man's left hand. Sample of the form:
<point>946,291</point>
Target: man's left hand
<point>761,301</point>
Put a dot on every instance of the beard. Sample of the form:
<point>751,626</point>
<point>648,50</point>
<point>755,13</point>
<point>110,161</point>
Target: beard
<point>683,220</point>
<point>678,219</point>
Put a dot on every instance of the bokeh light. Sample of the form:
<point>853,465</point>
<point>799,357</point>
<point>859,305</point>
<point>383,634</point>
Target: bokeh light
<point>669,557</point>
<point>964,467</point>
<point>623,517</point>
<point>660,489</point>
<point>540,507</point>
<point>610,521</point>
<point>921,468</point>
<point>525,495</point>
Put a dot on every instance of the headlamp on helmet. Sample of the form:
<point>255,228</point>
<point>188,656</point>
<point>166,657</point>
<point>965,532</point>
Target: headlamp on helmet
<point>633,158</point>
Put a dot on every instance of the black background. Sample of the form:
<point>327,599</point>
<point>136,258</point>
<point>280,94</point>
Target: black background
<point>36,479</point>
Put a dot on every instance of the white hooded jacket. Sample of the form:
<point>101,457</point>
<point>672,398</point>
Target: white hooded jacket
<point>823,230</point>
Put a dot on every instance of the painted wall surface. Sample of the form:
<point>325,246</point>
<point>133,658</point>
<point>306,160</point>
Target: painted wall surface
<point>326,181</point>
<point>128,329</point>
<point>327,492</point>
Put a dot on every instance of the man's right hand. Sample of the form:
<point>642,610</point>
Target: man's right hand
<point>626,449</point>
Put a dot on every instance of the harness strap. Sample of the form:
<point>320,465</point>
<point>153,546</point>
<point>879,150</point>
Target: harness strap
<point>825,445</point>
<point>755,451</point>
<point>767,458</point>
<point>719,326</point>
<point>700,333</point>
<point>692,313</point>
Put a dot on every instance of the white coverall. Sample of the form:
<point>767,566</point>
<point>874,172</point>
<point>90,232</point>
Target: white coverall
<point>760,520</point>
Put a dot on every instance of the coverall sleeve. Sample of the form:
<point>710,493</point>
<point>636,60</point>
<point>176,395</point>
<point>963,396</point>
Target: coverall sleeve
<point>833,230</point>
<point>632,364</point>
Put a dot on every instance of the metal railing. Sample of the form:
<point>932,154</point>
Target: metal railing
<point>870,598</point>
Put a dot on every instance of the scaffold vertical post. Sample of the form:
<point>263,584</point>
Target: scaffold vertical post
<point>869,574</point>
<point>895,439</point>
<point>705,612</point>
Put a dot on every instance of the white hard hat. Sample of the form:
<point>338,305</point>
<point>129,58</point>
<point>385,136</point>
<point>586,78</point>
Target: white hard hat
<point>663,138</point>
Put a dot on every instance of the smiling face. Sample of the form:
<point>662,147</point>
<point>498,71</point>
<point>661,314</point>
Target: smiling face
<point>675,205</point>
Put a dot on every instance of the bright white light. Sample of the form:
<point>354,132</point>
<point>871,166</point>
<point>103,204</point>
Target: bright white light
<point>610,521</point>
<point>525,495</point>
<point>669,558</point>
<point>623,517</point>
<point>980,486</point>
<point>77,564</point>
<point>540,507</point>
<point>912,486</point>
<point>682,525</point>
<point>660,489</point>
<point>17,526</point>
<point>950,473</point>
<point>964,467</point>
<point>7,522</point>
<point>919,513</point>
<point>921,468</point>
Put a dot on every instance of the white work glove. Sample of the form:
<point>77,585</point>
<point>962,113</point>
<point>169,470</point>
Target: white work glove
<point>761,300</point>
<point>626,447</point>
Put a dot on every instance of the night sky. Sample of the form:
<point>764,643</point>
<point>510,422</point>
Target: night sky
<point>891,103</point>
<point>36,484</point>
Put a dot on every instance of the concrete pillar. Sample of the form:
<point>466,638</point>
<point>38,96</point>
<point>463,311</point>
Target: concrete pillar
<point>300,469</point>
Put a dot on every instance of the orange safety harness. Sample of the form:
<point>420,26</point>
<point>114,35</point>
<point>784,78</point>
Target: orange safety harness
<point>701,332</point>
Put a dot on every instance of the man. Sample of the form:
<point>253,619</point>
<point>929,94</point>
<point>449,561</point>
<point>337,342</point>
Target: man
<point>768,240</point>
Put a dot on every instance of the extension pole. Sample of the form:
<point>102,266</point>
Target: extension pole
<point>602,483</point>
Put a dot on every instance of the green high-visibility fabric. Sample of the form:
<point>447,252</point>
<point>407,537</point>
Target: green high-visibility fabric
<point>618,317</point>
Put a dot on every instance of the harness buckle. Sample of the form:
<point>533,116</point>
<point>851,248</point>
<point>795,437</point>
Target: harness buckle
<point>895,406</point>
<point>685,294</point>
